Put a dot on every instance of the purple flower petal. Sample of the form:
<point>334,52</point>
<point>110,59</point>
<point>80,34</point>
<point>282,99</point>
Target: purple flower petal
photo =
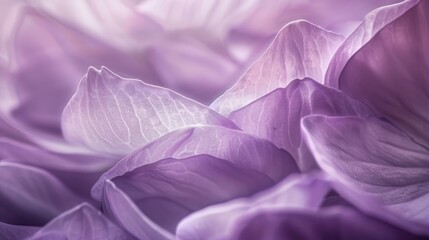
<point>374,157</point>
<point>277,115</point>
<point>234,146</point>
<point>15,232</point>
<point>391,72</point>
<point>115,115</point>
<point>30,195</point>
<point>170,189</point>
<point>120,208</point>
<point>371,25</point>
<point>300,50</point>
<point>81,222</point>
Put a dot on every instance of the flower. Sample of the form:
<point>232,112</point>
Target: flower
<point>204,120</point>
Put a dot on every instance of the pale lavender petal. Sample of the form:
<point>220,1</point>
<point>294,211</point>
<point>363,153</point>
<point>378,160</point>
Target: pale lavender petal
<point>170,189</point>
<point>300,50</point>
<point>122,210</point>
<point>231,145</point>
<point>114,115</point>
<point>391,72</point>
<point>305,192</point>
<point>81,222</point>
<point>277,115</point>
<point>30,195</point>
<point>371,25</point>
<point>15,232</point>
<point>375,158</point>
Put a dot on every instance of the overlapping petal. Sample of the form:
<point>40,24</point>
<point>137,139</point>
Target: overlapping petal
<point>391,72</point>
<point>115,115</point>
<point>374,157</point>
<point>244,150</point>
<point>277,115</point>
<point>15,232</point>
<point>81,222</point>
<point>300,50</point>
<point>30,195</point>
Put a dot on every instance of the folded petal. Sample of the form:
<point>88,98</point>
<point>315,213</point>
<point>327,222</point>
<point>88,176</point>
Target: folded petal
<point>374,157</point>
<point>300,50</point>
<point>230,145</point>
<point>81,222</point>
<point>15,232</point>
<point>123,211</point>
<point>170,189</point>
<point>277,115</point>
<point>30,195</point>
<point>114,115</point>
<point>391,72</point>
<point>371,25</point>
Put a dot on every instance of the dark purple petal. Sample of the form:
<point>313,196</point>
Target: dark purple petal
<point>391,72</point>
<point>300,50</point>
<point>372,24</point>
<point>170,189</point>
<point>122,210</point>
<point>114,115</point>
<point>375,158</point>
<point>81,222</point>
<point>334,223</point>
<point>15,232</point>
<point>231,145</point>
<point>277,115</point>
<point>30,195</point>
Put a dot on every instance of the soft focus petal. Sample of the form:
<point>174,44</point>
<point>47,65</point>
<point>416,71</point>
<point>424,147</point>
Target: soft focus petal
<point>235,146</point>
<point>30,195</point>
<point>334,223</point>
<point>218,221</point>
<point>81,222</point>
<point>15,232</point>
<point>277,115</point>
<point>115,115</point>
<point>374,157</point>
<point>391,72</point>
<point>371,25</point>
<point>120,208</point>
<point>170,189</point>
<point>300,50</point>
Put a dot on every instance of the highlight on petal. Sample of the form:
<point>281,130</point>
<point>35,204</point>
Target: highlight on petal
<point>123,211</point>
<point>81,222</point>
<point>375,158</point>
<point>168,190</point>
<point>114,115</point>
<point>29,195</point>
<point>15,232</point>
<point>371,25</point>
<point>277,115</point>
<point>300,50</point>
<point>230,145</point>
<point>390,73</point>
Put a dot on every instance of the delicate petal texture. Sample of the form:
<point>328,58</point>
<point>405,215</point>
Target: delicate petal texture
<point>46,52</point>
<point>81,222</point>
<point>300,50</point>
<point>170,189</point>
<point>115,115</point>
<point>334,223</point>
<point>15,232</point>
<point>391,72</point>
<point>218,221</point>
<point>121,209</point>
<point>372,24</point>
<point>277,115</point>
<point>235,146</point>
<point>31,196</point>
<point>375,157</point>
